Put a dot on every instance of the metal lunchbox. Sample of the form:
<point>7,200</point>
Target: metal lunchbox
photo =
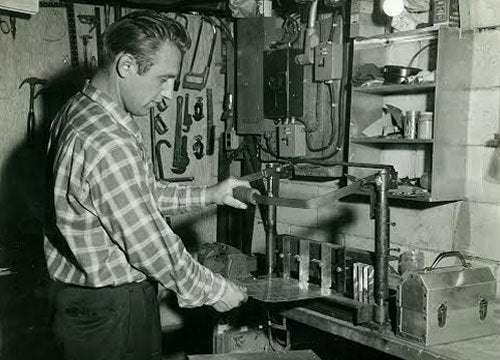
<point>439,305</point>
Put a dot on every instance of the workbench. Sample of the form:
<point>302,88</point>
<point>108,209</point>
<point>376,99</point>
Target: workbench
<point>483,348</point>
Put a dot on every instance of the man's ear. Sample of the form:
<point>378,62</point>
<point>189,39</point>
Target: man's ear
<point>126,65</point>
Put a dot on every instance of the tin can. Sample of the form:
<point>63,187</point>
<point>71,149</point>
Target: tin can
<point>424,130</point>
<point>410,125</point>
<point>410,260</point>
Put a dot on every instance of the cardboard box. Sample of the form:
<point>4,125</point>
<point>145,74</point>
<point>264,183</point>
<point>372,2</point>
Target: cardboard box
<point>479,13</point>
<point>446,13</point>
<point>366,19</point>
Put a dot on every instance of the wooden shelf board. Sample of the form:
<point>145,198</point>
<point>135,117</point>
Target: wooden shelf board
<point>401,36</point>
<point>391,141</point>
<point>397,88</point>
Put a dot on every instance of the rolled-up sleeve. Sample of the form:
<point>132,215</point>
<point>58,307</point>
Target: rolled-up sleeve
<point>128,210</point>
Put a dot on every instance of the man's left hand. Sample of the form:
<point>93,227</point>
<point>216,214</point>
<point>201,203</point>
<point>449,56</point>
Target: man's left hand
<point>222,193</point>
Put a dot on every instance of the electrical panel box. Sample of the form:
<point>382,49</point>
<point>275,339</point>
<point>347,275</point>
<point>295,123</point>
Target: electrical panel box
<point>328,61</point>
<point>252,36</point>
<point>283,84</point>
<point>291,140</point>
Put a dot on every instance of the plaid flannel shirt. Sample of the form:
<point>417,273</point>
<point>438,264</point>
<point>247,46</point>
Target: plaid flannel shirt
<point>109,209</point>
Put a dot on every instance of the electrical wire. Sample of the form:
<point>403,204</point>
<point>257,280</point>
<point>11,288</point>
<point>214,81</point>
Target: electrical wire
<point>222,27</point>
<point>291,32</point>
<point>419,52</point>
<point>332,124</point>
<point>340,108</point>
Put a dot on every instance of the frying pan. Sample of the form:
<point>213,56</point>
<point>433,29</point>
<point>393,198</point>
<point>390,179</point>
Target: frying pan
<point>395,74</point>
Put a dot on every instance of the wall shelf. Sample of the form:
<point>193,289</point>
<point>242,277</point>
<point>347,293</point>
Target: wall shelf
<point>448,52</point>
<point>383,141</point>
<point>400,36</point>
<point>396,89</point>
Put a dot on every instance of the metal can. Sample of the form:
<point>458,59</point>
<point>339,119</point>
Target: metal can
<point>424,130</point>
<point>410,125</point>
<point>410,260</point>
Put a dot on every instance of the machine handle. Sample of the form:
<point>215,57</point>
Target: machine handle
<point>456,254</point>
<point>246,195</point>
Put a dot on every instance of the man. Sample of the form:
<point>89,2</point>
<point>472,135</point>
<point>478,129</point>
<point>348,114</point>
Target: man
<point>110,237</point>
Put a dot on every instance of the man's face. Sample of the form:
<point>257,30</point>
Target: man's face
<point>140,93</point>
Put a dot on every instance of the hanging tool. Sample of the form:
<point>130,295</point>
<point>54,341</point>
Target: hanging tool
<point>198,109</point>
<point>210,123</point>
<point>231,140</point>
<point>4,27</point>
<point>198,147</point>
<point>117,12</point>
<point>9,28</point>
<point>98,33</point>
<point>160,127</point>
<point>152,134</point>
<point>188,120</point>
<point>85,42</point>
<point>93,64</point>
<point>180,160</point>
<point>70,18</point>
<point>32,81</point>
<point>13,28</point>
<point>73,39</point>
<point>107,13</point>
<point>197,81</point>
<point>180,179</point>
<point>159,144</point>
<point>177,82</point>
<point>94,22</point>
<point>161,107</point>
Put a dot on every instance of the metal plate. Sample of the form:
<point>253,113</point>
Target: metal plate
<point>281,290</point>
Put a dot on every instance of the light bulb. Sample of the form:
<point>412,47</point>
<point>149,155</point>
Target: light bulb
<point>393,7</point>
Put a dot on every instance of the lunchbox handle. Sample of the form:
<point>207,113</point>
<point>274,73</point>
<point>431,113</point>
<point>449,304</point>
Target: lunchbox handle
<point>447,254</point>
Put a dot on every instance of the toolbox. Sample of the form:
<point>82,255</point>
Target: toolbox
<point>439,305</point>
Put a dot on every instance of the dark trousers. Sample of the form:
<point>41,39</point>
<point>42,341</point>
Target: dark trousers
<point>108,323</point>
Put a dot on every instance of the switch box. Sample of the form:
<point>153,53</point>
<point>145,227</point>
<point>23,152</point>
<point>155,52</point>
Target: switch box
<point>328,61</point>
<point>231,140</point>
<point>291,140</point>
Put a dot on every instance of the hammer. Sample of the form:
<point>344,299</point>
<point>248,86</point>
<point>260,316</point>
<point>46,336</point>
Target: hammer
<point>32,81</point>
<point>85,41</point>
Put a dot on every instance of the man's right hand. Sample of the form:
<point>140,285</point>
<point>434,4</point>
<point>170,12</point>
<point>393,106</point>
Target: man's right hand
<point>233,296</point>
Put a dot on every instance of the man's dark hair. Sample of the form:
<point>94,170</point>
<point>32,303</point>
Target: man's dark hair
<point>141,34</point>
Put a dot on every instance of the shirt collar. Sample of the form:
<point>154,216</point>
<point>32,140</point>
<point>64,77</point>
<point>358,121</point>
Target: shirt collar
<point>118,113</point>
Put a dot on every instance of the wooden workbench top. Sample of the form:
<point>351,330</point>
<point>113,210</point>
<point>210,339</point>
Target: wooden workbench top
<point>483,348</point>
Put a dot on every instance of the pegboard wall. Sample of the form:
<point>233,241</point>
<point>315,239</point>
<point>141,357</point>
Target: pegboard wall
<point>41,49</point>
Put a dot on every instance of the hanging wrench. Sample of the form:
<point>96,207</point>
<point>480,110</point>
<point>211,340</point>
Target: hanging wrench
<point>210,123</point>
<point>198,109</point>
<point>188,120</point>
<point>180,159</point>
